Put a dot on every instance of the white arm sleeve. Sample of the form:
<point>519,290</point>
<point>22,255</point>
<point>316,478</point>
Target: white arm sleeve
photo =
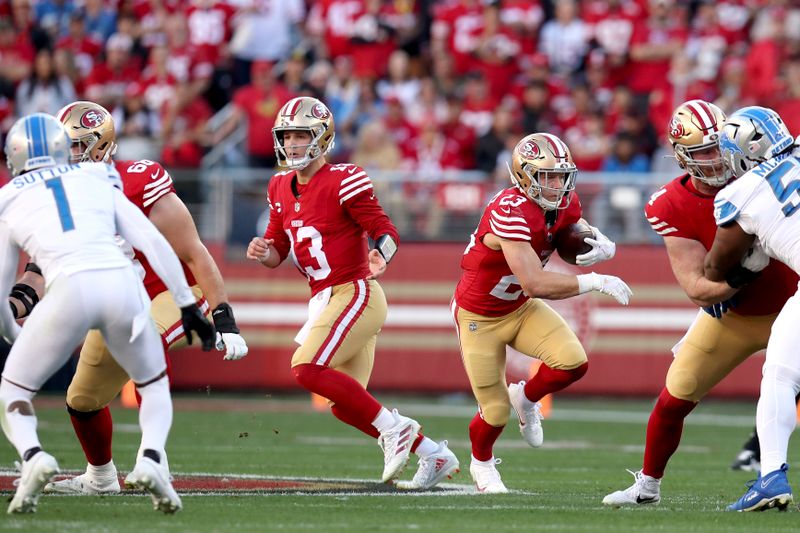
<point>9,258</point>
<point>143,235</point>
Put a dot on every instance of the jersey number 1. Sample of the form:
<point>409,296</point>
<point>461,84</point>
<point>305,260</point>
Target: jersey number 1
<point>64,214</point>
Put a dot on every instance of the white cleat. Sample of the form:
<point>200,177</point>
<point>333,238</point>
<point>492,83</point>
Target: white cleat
<point>154,478</point>
<point>529,414</point>
<point>35,475</point>
<point>644,490</point>
<point>486,476</point>
<point>433,469</point>
<point>85,485</point>
<point>396,445</point>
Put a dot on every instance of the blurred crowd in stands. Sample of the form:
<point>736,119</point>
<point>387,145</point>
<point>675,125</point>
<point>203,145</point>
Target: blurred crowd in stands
<point>416,85</point>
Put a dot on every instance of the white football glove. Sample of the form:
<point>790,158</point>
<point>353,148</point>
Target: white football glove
<point>610,285</point>
<point>228,338</point>
<point>603,249</point>
<point>232,344</point>
<point>756,259</point>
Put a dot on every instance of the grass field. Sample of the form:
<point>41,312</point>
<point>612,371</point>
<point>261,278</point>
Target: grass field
<point>588,445</point>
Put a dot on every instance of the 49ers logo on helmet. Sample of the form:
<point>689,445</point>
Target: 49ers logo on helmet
<point>320,111</point>
<point>92,119</point>
<point>529,150</point>
<point>676,128</point>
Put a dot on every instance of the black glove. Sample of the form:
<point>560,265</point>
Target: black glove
<point>193,320</point>
<point>719,309</point>
<point>739,276</point>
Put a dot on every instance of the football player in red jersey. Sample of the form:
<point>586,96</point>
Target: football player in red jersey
<point>498,301</point>
<point>98,379</point>
<point>322,214</point>
<point>726,333</point>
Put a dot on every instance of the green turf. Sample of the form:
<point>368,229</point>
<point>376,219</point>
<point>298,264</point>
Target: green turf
<point>559,488</point>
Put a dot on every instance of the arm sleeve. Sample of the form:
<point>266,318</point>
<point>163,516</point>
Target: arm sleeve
<point>358,199</point>
<point>9,258</point>
<point>275,226</point>
<point>143,235</point>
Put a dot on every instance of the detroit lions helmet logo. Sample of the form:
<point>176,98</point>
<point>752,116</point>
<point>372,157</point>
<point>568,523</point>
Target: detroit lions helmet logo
<point>92,119</point>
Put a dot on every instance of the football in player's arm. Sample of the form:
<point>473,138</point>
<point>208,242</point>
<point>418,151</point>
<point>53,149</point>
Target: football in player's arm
<point>322,214</point>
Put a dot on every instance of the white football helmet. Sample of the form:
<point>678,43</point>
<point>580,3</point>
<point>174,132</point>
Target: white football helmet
<point>752,135</point>
<point>304,114</point>
<point>36,141</point>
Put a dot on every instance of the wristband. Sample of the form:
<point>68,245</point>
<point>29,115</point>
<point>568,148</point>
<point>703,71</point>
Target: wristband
<point>33,267</point>
<point>223,319</point>
<point>386,246</point>
<point>587,282</point>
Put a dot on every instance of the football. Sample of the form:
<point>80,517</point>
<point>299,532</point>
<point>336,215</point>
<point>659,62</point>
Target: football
<point>570,243</point>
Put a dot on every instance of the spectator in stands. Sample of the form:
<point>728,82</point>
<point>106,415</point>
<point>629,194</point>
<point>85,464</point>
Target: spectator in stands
<point>375,149</point>
<point>107,81</point>
<point>134,118</point>
<point>16,56</point>
<point>444,75</point>
<point>402,131</point>
<point>84,48</point>
<point>341,91</point>
<point>489,146</point>
<point>564,39</point>
<point>589,141</point>
<point>429,105</point>
<point>399,83</point>
<point>54,16</point>
<point>257,103</point>
<point>496,52</point>
<point>44,91</point>
<point>101,21</point>
<point>653,44</point>
<point>624,157</point>
<point>454,129</point>
<point>789,106</point>
<point>372,40</point>
<point>263,31</point>
<point>478,103</point>
<point>184,140</point>
<point>535,111</point>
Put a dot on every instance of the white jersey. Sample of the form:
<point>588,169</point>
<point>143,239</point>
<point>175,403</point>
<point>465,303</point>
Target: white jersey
<point>764,202</point>
<point>64,217</point>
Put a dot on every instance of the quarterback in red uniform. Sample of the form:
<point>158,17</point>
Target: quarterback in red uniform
<point>726,333</point>
<point>98,379</point>
<point>322,214</point>
<point>498,299</point>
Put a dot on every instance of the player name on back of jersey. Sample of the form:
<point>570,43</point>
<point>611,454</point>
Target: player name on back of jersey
<point>32,178</point>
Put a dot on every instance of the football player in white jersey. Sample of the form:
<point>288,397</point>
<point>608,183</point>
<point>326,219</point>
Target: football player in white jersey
<point>754,213</point>
<point>66,218</point>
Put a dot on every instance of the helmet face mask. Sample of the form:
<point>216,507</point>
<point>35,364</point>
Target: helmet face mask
<point>91,129</point>
<point>694,130</point>
<point>303,114</point>
<point>36,141</point>
<point>542,168</point>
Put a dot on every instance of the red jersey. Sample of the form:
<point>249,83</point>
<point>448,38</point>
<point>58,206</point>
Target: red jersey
<point>144,182</point>
<point>325,223</point>
<point>487,286</point>
<point>678,210</point>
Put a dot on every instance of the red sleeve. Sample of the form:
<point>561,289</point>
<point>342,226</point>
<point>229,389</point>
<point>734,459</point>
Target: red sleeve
<point>275,227</point>
<point>663,218</point>
<point>358,199</point>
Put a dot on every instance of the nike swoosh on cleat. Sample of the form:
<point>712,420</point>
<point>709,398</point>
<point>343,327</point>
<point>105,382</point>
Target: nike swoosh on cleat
<point>765,483</point>
<point>651,499</point>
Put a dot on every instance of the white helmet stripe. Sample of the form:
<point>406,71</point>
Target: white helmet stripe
<point>558,146</point>
<point>704,116</point>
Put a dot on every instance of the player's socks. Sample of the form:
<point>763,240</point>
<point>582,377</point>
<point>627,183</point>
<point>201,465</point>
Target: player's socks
<point>424,446</point>
<point>664,432</point>
<point>483,436</point>
<point>339,388</point>
<point>94,430</point>
<point>353,419</point>
<point>548,380</point>
<point>155,414</point>
<point>165,345</point>
<point>776,415</point>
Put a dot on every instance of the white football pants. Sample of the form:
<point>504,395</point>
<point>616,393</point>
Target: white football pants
<point>780,382</point>
<point>113,301</point>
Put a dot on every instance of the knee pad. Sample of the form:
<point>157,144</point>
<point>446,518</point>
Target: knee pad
<point>570,355</point>
<point>683,385</point>
<point>495,411</point>
<point>82,403</point>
